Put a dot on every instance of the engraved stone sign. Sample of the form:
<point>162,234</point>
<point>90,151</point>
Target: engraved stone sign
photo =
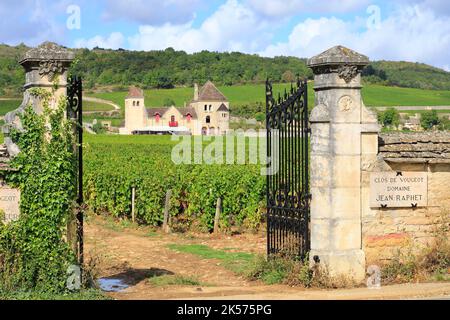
<point>398,189</point>
<point>9,204</point>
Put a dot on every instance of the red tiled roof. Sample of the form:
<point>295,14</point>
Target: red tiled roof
<point>135,93</point>
<point>188,110</point>
<point>209,92</point>
<point>151,112</point>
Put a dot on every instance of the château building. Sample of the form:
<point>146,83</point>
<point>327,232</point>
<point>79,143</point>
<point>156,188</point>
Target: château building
<point>207,114</point>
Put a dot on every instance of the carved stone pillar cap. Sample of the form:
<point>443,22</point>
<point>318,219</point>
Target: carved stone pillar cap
<point>338,55</point>
<point>47,51</point>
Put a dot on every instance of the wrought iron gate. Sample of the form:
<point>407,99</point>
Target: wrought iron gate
<point>288,195</point>
<point>75,113</point>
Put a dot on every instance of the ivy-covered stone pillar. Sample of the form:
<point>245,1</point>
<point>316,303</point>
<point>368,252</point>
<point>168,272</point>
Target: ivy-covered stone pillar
<point>338,121</point>
<point>46,67</point>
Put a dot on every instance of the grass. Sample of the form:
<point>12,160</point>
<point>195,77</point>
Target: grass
<point>8,105</point>
<point>152,234</point>
<point>237,95</point>
<point>96,106</point>
<point>376,95</point>
<point>90,294</point>
<point>430,262</point>
<point>373,95</point>
<point>276,270</point>
<point>175,280</point>
<point>238,262</point>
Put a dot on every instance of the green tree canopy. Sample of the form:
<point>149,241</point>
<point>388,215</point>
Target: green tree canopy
<point>429,119</point>
<point>389,117</point>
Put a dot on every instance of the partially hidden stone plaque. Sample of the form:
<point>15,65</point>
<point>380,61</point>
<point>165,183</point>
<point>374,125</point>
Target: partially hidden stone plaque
<point>398,189</point>
<point>9,204</point>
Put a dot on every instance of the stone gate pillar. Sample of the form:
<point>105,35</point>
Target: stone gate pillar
<point>46,67</point>
<point>337,122</point>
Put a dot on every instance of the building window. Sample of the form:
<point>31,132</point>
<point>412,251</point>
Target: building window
<point>188,117</point>
<point>206,107</point>
<point>173,122</point>
<point>137,103</point>
<point>157,117</point>
<point>210,107</point>
<point>134,103</point>
<point>208,119</point>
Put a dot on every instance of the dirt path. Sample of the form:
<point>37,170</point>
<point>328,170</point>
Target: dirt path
<point>98,100</point>
<point>135,255</point>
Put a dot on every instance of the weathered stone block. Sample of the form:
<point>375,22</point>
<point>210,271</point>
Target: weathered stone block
<point>320,170</point>
<point>346,171</point>
<point>345,203</point>
<point>345,139</point>
<point>320,138</point>
<point>347,265</point>
<point>320,234</point>
<point>321,203</point>
<point>369,143</point>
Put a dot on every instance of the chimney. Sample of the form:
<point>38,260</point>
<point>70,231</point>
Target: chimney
<point>195,91</point>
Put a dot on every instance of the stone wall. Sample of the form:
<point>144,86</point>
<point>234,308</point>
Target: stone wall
<point>385,230</point>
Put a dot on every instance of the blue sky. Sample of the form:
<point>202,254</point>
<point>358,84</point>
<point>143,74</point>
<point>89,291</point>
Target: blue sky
<point>411,30</point>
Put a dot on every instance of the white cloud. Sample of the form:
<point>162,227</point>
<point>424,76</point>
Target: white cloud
<point>153,12</point>
<point>114,41</point>
<point>440,7</point>
<point>282,8</point>
<point>233,27</point>
<point>31,21</point>
<point>410,33</point>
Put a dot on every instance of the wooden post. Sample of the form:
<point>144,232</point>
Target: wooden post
<point>217,216</point>
<point>166,227</point>
<point>133,198</point>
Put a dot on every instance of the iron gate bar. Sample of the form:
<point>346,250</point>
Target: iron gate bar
<point>75,112</point>
<point>287,191</point>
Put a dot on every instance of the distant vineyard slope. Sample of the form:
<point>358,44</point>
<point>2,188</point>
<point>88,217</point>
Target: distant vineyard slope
<point>170,68</point>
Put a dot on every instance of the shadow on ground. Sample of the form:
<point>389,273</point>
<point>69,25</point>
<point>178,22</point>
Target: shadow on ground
<point>132,277</point>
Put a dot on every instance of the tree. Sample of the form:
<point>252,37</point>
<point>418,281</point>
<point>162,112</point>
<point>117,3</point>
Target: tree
<point>429,119</point>
<point>168,102</point>
<point>390,117</point>
<point>261,117</point>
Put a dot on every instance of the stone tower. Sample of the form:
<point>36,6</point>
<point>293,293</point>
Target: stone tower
<point>135,113</point>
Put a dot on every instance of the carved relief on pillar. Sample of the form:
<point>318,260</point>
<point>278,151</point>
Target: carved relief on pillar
<point>347,72</point>
<point>50,68</point>
<point>346,104</point>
